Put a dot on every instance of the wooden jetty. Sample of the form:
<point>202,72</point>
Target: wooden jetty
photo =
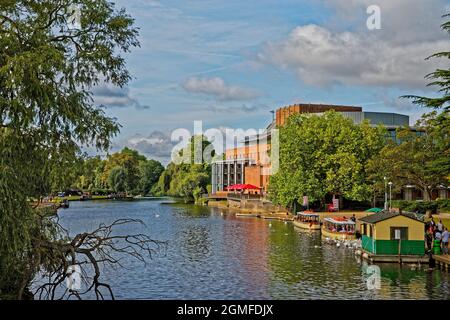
<point>442,261</point>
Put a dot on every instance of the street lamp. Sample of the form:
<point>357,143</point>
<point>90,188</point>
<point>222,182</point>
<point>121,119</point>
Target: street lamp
<point>390,195</point>
<point>273,114</point>
<point>385,194</point>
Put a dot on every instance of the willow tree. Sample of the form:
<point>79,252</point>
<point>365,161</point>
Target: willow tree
<point>324,155</point>
<point>52,53</point>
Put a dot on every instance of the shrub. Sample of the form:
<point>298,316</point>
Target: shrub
<point>443,205</point>
<point>416,206</point>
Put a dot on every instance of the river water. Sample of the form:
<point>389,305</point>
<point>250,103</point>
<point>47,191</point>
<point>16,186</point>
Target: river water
<point>212,254</point>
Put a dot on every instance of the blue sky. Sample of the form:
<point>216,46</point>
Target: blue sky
<point>228,63</point>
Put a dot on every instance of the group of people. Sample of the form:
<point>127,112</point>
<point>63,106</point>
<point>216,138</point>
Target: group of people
<point>436,233</point>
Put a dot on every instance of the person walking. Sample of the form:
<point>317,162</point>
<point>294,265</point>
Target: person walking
<point>445,237</point>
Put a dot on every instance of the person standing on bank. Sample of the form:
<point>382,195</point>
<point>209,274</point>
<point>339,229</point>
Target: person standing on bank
<point>445,237</point>
<point>440,226</point>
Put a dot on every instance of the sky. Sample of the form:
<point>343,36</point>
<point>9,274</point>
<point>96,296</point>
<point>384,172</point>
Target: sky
<point>229,63</point>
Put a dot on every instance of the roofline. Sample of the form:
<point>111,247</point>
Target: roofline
<point>387,218</point>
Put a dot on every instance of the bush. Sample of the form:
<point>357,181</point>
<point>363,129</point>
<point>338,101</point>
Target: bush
<point>416,206</point>
<point>443,205</point>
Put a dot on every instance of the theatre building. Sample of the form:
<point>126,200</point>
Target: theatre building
<point>250,163</point>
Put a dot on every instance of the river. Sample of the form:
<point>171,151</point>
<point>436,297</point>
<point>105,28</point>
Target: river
<point>212,254</point>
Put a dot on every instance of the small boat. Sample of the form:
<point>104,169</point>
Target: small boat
<point>338,228</point>
<point>307,220</point>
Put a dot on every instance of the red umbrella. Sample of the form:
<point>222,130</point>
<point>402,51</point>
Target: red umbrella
<point>242,187</point>
<point>249,187</point>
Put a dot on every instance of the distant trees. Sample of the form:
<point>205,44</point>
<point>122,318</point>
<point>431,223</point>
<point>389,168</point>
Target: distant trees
<point>187,180</point>
<point>124,171</point>
<point>149,173</point>
<point>322,155</point>
<point>117,179</point>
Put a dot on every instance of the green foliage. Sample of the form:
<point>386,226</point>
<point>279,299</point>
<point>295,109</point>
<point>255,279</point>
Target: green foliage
<point>420,159</point>
<point>443,205</point>
<point>117,179</point>
<point>47,71</point>
<point>416,206</point>
<point>186,180</point>
<point>149,173</point>
<point>322,155</point>
<point>137,176</point>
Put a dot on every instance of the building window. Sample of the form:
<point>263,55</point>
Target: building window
<point>403,233</point>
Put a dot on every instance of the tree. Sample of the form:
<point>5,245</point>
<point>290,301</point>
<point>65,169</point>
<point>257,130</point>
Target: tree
<point>440,78</point>
<point>91,168</point>
<point>322,155</point>
<point>117,179</point>
<point>427,161</point>
<point>48,68</point>
<point>149,172</point>
<point>418,158</point>
<point>187,180</point>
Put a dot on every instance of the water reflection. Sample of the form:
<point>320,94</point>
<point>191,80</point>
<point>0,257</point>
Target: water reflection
<point>212,254</point>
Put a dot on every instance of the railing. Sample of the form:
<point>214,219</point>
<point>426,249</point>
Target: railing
<point>238,196</point>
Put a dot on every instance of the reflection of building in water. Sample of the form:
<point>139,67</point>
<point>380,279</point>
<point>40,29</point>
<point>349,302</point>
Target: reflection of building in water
<point>249,247</point>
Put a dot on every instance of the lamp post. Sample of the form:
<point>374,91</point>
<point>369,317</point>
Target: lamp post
<point>385,194</point>
<point>390,195</point>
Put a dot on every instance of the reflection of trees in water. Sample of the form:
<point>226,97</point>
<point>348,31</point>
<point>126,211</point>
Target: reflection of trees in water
<point>410,282</point>
<point>402,282</point>
<point>195,242</point>
<point>437,285</point>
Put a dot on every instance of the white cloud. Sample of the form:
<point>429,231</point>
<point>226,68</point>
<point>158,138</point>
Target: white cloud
<point>392,56</point>
<point>217,88</point>
<point>157,145</point>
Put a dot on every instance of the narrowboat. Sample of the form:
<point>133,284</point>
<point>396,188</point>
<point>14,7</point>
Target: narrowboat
<point>307,220</point>
<point>338,228</point>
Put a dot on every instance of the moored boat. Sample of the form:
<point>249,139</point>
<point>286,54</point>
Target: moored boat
<point>307,220</point>
<point>338,228</point>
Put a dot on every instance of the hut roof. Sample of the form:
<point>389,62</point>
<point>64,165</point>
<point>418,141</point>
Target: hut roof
<point>380,216</point>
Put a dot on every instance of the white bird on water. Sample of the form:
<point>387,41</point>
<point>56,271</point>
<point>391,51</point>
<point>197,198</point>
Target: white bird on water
<point>270,225</point>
